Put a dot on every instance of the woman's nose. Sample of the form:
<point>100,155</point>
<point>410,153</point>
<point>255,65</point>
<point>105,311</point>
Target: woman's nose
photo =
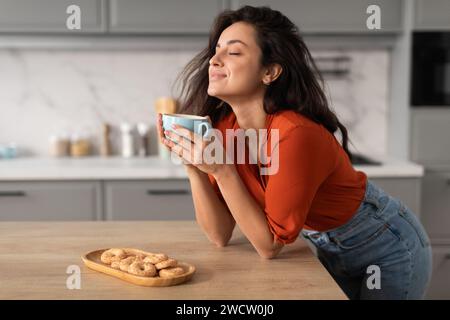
<point>215,61</point>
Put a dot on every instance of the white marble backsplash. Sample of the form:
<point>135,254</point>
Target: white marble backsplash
<point>43,92</point>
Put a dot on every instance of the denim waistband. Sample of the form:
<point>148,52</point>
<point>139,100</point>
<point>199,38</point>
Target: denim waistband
<point>373,195</point>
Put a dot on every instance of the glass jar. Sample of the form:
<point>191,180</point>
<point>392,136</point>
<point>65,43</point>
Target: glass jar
<point>79,145</point>
<point>59,145</point>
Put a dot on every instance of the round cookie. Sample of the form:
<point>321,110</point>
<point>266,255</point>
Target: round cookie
<point>166,264</point>
<point>115,264</point>
<point>171,272</point>
<point>112,255</point>
<point>156,258</point>
<point>142,269</point>
<point>125,263</point>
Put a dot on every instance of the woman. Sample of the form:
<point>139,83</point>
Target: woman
<point>257,73</point>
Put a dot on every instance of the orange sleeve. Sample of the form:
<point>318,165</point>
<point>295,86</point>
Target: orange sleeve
<point>305,160</point>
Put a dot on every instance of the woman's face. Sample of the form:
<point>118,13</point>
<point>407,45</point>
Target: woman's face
<point>235,69</point>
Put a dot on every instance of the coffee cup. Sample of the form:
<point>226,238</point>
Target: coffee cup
<point>197,124</point>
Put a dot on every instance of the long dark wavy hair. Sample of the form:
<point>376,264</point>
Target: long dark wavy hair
<point>298,88</point>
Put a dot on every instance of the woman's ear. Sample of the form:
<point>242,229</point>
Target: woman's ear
<point>272,73</point>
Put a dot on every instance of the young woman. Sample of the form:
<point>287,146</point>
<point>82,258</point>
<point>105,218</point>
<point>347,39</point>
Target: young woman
<point>257,73</point>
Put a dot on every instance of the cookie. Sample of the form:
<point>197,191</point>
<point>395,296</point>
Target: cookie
<point>171,272</point>
<point>156,258</point>
<point>125,263</point>
<point>143,269</point>
<point>166,264</point>
<point>112,255</point>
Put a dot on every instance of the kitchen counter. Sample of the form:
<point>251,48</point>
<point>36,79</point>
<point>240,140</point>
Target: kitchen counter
<point>35,256</point>
<point>116,168</point>
<point>89,168</point>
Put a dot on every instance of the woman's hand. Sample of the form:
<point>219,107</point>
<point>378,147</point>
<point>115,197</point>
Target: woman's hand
<point>190,147</point>
<point>190,169</point>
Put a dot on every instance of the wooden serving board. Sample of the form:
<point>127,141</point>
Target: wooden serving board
<point>92,261</point>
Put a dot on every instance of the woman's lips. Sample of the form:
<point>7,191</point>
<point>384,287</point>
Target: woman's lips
<point>216,76</point>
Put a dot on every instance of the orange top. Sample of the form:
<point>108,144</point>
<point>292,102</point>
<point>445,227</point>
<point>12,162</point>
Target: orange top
<point>315,187</point>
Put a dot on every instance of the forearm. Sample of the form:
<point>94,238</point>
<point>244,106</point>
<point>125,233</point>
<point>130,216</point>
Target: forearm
<point>211,214</point>
<point>250,218</point>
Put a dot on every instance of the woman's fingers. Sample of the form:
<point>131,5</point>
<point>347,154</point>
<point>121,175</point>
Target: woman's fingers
<point>159,126</point>
<point>179,130</point>
<point>185,143</point>
<point>180,140</point>
<point>192,151</point>
<point>194,148</point>
<point>186,133</point>
<point>182,153</point>
<point>160,130</point>
<point>194,137</point>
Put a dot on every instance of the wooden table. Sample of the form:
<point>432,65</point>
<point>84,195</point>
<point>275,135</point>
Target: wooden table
<point>34,257</point>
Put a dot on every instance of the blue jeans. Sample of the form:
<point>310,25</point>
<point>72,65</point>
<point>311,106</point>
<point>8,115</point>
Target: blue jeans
<point>382,252</point>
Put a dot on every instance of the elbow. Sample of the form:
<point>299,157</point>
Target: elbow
<point>272,252</point>
<point>221,242</point>
<point>268,255</point>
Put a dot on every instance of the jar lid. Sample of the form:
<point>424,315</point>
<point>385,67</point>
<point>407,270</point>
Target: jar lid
<point>142,128</point>
<point>125,127</point>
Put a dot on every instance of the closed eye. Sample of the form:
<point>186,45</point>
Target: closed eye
<point>234,53</point>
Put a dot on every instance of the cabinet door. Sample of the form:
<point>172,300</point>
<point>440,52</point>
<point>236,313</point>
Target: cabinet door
<point>430,131</point>
<point>149,200</point>
<point>432,15</point>
<point>59,201</point>
<point>163,16</point>
<point>408,190</point>
<point>49,15</point>
<point>439,287</point>
<point>331,16</point>
<point>436,203</point>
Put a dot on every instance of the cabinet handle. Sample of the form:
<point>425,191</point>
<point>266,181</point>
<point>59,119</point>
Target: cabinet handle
<point>12,194</point>
<point>167,192</point>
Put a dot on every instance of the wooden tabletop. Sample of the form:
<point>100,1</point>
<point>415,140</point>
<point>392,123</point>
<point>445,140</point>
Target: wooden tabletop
<point>34,257</point>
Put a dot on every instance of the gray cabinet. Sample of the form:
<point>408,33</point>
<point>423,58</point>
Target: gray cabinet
<point>194,16</point>
<point>163,16</point>
<point>432,15</point>
<point>430,132</point>
<point>436,220</point>
<point>436,203</point>
<point>47,16</point>
<point>439,287</point>
<point>408,190</point>
<point>430,145</point>
<point>149,200</point>
<point>59,201</point>
<point>330,16</point>
<point>96,200</point>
